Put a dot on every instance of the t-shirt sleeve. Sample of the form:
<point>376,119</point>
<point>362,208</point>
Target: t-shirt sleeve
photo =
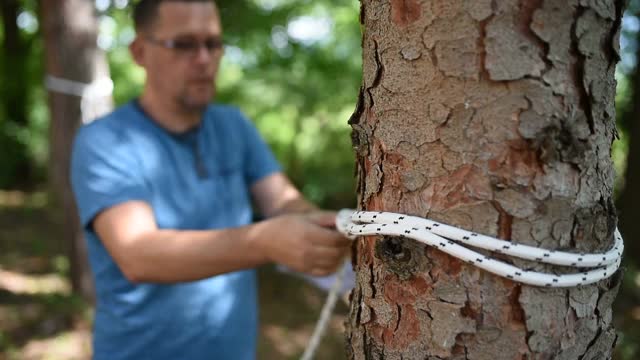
<point>104,172</point>
<point>260,160</point>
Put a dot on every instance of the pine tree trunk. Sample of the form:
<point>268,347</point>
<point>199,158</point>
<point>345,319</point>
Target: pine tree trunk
<point>70,33</point>
<point>497,117</point>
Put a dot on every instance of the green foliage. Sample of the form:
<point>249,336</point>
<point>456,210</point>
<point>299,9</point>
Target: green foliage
<point>299,91</point>
<point>630,34</point>
<point>21,129</point>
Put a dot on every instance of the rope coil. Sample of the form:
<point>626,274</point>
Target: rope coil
<point>452,240</point>
<point>449,239</point>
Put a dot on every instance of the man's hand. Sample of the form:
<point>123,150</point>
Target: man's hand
<point>304,242</point>
<point>297,234</point>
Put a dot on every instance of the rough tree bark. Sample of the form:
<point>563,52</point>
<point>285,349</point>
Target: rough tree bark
<point>497,117</point>
<point>71,52</point>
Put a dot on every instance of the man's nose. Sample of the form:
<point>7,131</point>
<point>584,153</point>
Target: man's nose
<point>203,54</point>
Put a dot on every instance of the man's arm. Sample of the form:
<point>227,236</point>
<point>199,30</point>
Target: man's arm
<point>145,253</point>
<point>275,195</point>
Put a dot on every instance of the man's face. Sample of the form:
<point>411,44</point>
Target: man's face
<point>181,52</point>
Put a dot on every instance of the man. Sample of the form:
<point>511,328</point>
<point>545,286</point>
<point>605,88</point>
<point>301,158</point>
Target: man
<point>164,187</point>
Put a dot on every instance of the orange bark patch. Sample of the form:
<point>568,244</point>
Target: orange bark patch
<point>408,329</point>
<point>464,186</point>
<point>397,292</point>
<point>395,165</point>
<point>395,158</point>
<point>517,162</point>
<point>420,285</point>
<point>368,249</point>
<point>471,311</point>
<point>505,221</point>
<point>391,198</point>
<point>405,12</point>
<point>517,313</point>
<point>405,292</point>
<point>374,204</point>
<point>444,264</point>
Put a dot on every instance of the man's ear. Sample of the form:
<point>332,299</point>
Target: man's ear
<point>136,48</point>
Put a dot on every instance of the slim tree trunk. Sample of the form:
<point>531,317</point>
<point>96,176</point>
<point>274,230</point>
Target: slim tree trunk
<point>497,117</point>
<point>70,33</point>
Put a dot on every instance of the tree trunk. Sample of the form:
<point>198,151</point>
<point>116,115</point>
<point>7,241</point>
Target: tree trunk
<point>497,117</point>
<point>70,34</point>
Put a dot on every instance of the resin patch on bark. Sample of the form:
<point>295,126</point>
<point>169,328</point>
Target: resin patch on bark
<point>405,12</point>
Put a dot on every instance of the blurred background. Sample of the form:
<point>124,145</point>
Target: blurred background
<point>294,67</point>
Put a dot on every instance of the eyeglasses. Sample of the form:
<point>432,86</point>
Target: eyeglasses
<point>188,46</point>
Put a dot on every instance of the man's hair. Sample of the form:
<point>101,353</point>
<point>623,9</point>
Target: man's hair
<point>146,11</point>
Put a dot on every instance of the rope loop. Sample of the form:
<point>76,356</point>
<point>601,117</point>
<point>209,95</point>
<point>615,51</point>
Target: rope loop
<point>454,241</point>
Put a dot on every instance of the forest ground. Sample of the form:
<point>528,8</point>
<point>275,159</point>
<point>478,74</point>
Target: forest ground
<point>41,320</point>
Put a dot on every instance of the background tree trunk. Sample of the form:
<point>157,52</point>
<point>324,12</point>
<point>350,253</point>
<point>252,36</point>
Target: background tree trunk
<point>497,117</point>
<point>70,33</point>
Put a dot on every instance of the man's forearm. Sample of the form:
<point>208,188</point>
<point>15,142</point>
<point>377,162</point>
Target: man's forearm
<point>300,242</point>
<point>275,195</point>
<point>166,256</point>
<point>296,205</point>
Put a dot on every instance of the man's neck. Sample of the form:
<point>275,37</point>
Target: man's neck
<point>168,115</point>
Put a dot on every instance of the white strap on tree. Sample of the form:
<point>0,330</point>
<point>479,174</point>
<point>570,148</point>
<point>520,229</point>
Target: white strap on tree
<point>99,88</point>
<point>94,97</point>
<point>452,240</point>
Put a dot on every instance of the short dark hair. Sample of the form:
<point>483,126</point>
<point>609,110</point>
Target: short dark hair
<point>146,11</point>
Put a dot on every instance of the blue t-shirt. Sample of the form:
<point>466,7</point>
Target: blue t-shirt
<point>194,180</point>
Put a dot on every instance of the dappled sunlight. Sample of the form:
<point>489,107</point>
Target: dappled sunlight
<point>33,284</point>
<point>20,263</point>
<point>288,321</point>
<point>288,342</point>
<point>42,327</point>
<point>40,319</point>
<point>69,345</point>
<point>16,198</point>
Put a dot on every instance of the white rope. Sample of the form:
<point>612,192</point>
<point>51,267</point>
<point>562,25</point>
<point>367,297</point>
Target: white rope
<point>325,314</point>
<point>449,239</point>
